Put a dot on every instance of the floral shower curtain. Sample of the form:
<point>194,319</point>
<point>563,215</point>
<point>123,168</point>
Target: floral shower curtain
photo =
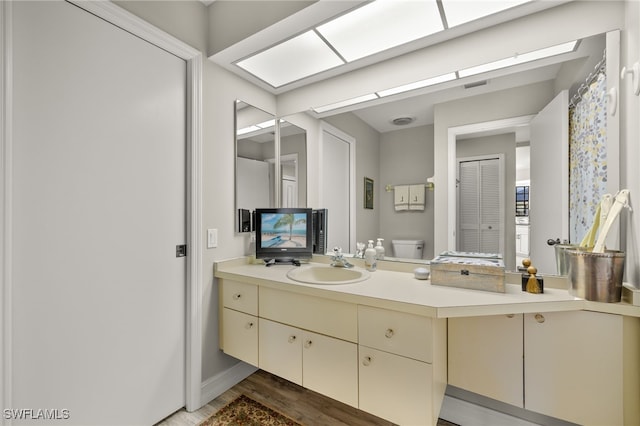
<point>587,157</point>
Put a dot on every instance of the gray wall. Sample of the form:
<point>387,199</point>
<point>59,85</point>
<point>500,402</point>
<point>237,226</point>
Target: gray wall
<point>406,157</point>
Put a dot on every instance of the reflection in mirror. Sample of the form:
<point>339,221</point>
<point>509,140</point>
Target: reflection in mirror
<point>255,151</point>
<point>405,154</point>
<point>293,165</point>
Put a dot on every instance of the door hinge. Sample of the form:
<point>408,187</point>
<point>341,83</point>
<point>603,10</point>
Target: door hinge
<point>181,250</point>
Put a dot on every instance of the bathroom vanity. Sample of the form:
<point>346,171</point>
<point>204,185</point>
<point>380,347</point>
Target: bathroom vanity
<point>390,344</point>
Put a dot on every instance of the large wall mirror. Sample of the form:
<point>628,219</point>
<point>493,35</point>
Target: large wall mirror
<point>406,153</point>
<point>270,163</point>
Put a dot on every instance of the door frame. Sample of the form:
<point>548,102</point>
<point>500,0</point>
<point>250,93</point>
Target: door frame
<point>452,134</point>
<point>351,141</point>
<point>193,58</point>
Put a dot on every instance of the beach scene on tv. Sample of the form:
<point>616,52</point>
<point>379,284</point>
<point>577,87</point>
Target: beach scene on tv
<point>284,230</point>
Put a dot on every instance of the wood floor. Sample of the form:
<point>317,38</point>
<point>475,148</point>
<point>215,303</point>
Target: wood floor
<point>307,407</point>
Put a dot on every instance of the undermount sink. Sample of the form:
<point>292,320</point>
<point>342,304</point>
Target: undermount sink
<point>325,274</point>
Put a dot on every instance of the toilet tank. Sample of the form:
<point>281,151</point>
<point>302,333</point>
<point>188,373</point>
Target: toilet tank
<point>409,249</point>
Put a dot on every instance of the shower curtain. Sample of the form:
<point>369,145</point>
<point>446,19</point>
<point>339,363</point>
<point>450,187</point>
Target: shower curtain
<point>587,157</point>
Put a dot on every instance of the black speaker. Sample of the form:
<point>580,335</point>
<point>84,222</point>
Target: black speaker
<point>320,222</point>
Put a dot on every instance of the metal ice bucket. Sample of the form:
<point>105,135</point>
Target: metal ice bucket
<point>562,257</point>
<point>596,276</point>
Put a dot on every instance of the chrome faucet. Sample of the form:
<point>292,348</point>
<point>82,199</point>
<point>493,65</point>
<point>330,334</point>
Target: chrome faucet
<point>338,259</point>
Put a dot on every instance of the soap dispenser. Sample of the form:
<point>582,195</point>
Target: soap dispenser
<point>370,257</point>
<point>380,249</point>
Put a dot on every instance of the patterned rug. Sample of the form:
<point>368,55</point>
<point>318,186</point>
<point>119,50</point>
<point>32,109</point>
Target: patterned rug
<point>244,411</point>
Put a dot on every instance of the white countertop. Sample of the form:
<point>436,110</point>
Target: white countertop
<point>400,290</point>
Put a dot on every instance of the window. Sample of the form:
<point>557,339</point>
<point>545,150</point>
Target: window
<point>522,201</point>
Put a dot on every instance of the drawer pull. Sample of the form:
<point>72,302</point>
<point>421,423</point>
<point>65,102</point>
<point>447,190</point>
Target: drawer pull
<point>292,338</point>
<point>307,344</point>
<point>366,361</point>
<point>510,315</point>
<point>464,272</point>
<point>249,325</point>
<point>237,296</point>
<point>389,333</point>
<point>539,318</point>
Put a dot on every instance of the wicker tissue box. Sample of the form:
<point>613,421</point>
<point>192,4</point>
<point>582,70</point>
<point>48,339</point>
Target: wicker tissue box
<point>476,271</point>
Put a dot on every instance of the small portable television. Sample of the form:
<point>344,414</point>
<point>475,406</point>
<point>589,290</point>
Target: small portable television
<point>284,235</point>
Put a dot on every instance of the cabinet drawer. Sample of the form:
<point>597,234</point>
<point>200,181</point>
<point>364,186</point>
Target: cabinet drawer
<point>240,335</point>
<point>396,388</point>
<point>330,317</point>
<point>240,296</point>
<point>396,332</point>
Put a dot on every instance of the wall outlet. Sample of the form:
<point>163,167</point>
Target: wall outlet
<point>212,238</point>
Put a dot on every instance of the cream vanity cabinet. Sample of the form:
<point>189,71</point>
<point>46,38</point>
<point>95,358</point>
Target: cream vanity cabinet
<point>583,367</point>
<point>239,328</point>
<point>310,341</point>
<point>485,356</point>
<point>579,366</point>
<point>401,365</point>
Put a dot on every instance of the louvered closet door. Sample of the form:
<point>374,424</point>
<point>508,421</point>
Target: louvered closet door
<point>479,208</point>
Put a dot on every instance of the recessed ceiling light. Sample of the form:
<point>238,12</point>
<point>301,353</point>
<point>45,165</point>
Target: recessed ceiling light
<point>520,59</point>
<point>460,11</point>
<point>381,25</point>
<point>345,103</point>
<point>292,60</point>
<point>418,84</point>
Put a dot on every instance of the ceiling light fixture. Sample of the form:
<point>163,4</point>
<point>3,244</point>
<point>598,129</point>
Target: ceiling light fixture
<point>294,59</point>
<point>381,25</point>
<point>418,84</point>
<point>403,121</point>
<point>345,103</point>
<point>520,59</point>
<point>460,12</point>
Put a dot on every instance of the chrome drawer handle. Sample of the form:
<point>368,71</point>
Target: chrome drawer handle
<point>292,339</point>
<point>249,325</point>
<point>389,333</point>
<point>237,296</point>
<point>366,361</point>
<point>539,318</point>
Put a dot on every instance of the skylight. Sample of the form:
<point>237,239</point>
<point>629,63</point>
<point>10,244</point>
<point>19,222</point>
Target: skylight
<point>381,25</point>
<point>292,60</point>
<point>369,29</point>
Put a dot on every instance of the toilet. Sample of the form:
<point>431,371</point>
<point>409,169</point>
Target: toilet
<point>408,249</point>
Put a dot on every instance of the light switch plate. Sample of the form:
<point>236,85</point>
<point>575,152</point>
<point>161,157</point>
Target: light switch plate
<point>212,238</point>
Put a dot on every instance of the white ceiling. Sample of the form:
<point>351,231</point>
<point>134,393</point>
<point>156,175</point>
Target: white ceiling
<point>380,113</point>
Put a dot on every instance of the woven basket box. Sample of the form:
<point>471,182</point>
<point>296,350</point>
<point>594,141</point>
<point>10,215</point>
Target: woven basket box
<point>476,271</point>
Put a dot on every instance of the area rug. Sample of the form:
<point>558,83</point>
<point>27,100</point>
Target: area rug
<point>244,411</point>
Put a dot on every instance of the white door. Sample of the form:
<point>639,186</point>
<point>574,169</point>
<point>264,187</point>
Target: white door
<point>480,206</point>
<point>336,185</point>
<point>98,324</point>
<point>549,190</point>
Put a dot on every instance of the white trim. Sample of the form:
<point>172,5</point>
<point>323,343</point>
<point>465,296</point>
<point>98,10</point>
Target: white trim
<point>6,94</point>
<point>131,23</point>
<point>452,134</point>
<point>326,127</point>
<point>225,380</point>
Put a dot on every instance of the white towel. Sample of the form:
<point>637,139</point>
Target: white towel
<point>401,197</point>
<point>416,197</point>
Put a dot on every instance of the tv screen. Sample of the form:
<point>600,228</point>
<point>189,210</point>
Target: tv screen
<point>283,234</point>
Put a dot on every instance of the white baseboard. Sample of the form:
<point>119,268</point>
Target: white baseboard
<point>223,381</point>
<point>465,413</point>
